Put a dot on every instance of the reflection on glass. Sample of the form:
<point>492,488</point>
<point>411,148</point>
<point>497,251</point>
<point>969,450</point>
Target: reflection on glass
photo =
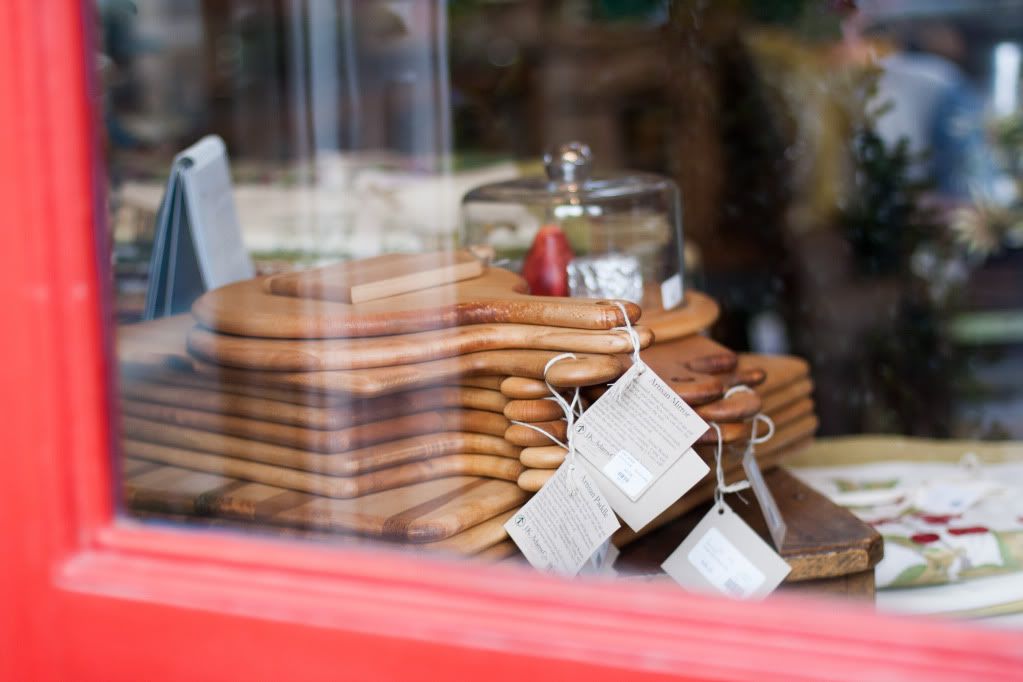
<point>848,183</point>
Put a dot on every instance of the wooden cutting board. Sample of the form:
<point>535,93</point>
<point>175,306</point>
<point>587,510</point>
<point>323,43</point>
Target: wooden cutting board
<point>178,371</point>
<point>797,421</point>
<point>523,436</point>
<point>420,513</point>
<point>310,416</point>
<point>789,440</point>
<point>311,481</point>
<point>306,355</point>
<point>498,296</point>
<point>547,456</point>
<point>471,543</point>
<point>370,279</point>
<point>823,539</point>
<point>320,440</point>
<point>584,370</point>
<point>351,463</point>
<point>697,315</point>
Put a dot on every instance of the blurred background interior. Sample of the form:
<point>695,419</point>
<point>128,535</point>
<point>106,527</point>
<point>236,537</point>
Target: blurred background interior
<point>850,170</point>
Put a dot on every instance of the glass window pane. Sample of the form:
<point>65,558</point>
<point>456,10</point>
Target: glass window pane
<point>353,242</point>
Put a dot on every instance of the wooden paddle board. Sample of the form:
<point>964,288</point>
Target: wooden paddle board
<point>419,513</point>
<point>370,279</point>
<point>584,370</point>
<point>310,416</point>
<point>319,440</point>
<point>307,355</point>
<point>317,483</point>
<point>351,463</point>
<point>498,296</point>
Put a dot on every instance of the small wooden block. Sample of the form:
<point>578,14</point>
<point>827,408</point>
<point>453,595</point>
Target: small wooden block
<point>372,278</point>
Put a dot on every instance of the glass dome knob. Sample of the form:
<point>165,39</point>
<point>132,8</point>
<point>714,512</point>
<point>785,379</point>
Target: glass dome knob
<point>569,163</point>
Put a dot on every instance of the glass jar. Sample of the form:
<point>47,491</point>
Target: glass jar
<point>579,234</point>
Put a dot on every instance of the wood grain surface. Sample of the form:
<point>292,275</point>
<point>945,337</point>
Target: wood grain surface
<point>351,463</point>
<point>320,440</point>
<point>318,483</point>
<point>368,279</point>
<point>585,370</point>
<point>698,314</point>
<point>521,388</point>
<point>498,296</point>
<point>523,436</point>
<point>823,539</point>
<point>420,513</point>
<point>306,355</point>
<point>339,416</point>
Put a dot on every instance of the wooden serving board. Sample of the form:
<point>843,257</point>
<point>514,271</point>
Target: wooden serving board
<point>547,456</point>
<point>789,424</point>
<point>311,416</point>
<point>178,371</point>
<point>698,314</point>
<point>311,481</point>
<point>320,440</point>
<point>498,296</point>
<point>823,539</point>
<point>585,370</point>
<point>420,513</point>
<point>308,355</point>
<point>351,463</point>
<point>787,441</point>
<point>372,278</point>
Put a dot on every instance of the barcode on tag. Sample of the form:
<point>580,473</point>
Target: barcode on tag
<point>628,474</point>
<point>671,291</point>
<point>724,566</point>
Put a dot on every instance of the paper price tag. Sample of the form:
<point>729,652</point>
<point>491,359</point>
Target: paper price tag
<point>725,556</point>
<point>671,291</point>
<point>628,474</point>
<point>562,526</point>
<point>776,525</point>
<point>647,421</point>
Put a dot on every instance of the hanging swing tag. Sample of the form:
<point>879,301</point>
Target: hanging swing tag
<point>634,435</point>
<point>562,526</point>
<point>723,555</point>
<point>772,514</point>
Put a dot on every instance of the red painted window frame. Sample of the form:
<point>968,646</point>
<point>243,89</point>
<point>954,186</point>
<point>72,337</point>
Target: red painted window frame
<point>87,594</point>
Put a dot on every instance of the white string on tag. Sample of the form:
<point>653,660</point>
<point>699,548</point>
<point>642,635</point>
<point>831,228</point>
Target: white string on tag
<point>570,410</point>
<point>618,388</point>
<point>722,487</point>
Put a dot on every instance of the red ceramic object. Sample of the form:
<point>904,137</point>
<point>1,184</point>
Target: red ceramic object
<point>546,265</point>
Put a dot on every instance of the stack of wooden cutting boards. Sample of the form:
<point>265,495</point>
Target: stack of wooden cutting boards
<point>381,398</point>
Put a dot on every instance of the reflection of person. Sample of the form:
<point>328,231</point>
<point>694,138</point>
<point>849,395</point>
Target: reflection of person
<point>935,108</point>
